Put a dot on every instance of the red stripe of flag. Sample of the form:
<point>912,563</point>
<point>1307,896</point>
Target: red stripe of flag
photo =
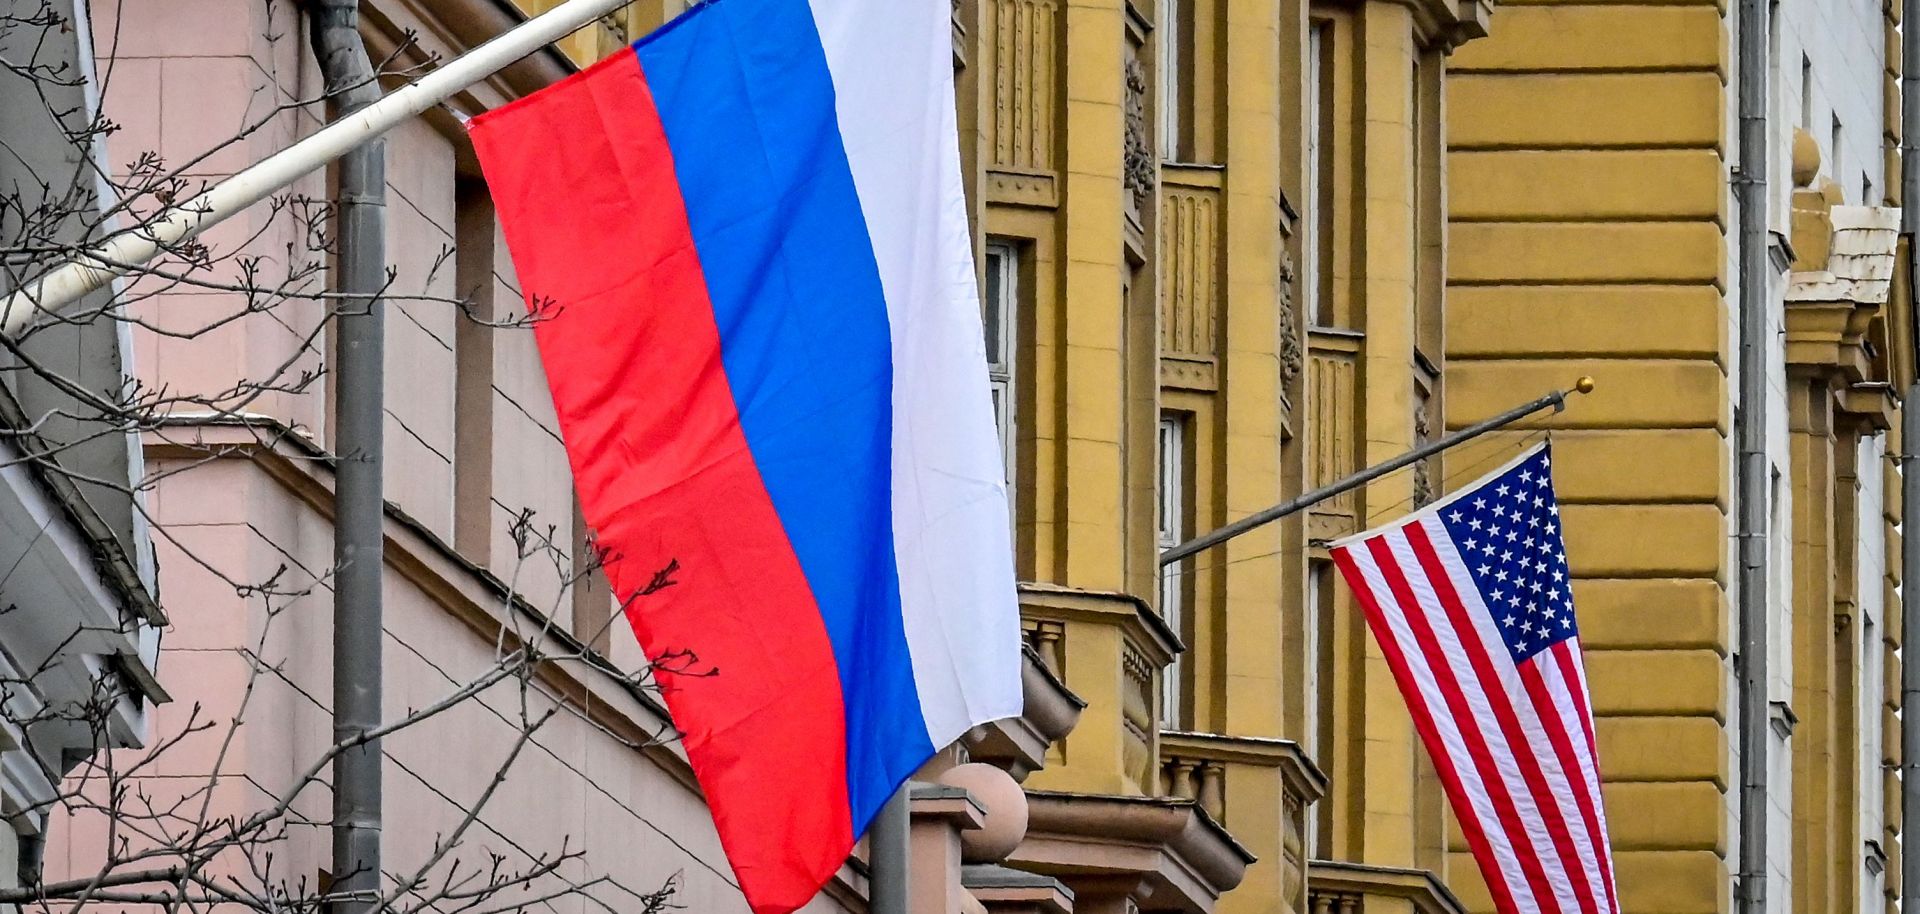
<point>1554,726</point>
<point>1470,825</point>
<point>1494,690</point>
<point>1456,701</point>
<point>1573,679</point>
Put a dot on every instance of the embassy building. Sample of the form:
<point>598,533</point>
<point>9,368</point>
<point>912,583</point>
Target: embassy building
<point>1229,251</point>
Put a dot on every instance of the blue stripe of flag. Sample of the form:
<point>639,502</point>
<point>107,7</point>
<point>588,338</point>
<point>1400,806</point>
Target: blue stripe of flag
<point>747,101</point>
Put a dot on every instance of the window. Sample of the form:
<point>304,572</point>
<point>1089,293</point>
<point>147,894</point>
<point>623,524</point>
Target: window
<point>1001,307</point>
<point>1319,303</point>
<point>473,263</point>
<point>1319,704</point>
<point>1833,151</point>
<point>1806,93</point>
<point>1173,531</point>
<point>1176,84</point>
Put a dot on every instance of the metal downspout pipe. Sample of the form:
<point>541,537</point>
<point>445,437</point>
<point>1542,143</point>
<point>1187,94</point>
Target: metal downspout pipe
<point>1909,465</point>
<point>358,498</point>
<point>1754,480</point>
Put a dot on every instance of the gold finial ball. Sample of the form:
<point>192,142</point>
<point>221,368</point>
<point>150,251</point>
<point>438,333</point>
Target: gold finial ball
<point>1584,385</point>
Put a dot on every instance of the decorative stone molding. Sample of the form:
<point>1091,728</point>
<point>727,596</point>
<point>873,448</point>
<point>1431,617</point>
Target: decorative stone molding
<point>1422,471</point>
<point>1293,357</point>
<point>1046,641</point>
<point>1332,394</point>
<point>1022,188</point>
<point>1806,158</point>
<point>1141,625</point>
<point>1002,890</point>
<point>1838,306</point>
<point>1194,753</point>
<point>1338,887</point>
<point>1190,238</point>
<point>1140,171</point>
<point>1137,714</point>
<point>960,44</point>
<point>1204,767</point>
<point>1812,224</point>
<point>1019,44</point>
<point>1448,24</point>
<point>1117,634</point>
<point>431,31</point>
<point>944,817</point>
<point>1049,712</point>
<point>1166,850</point>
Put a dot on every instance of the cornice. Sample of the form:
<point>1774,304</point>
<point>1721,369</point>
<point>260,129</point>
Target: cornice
<point>995,885</point>
<point>1301,773</point>
<point>448,28</point>
<point>1109,607</point>
<point>470,593</point>
<point>1839,304</point>
<point>1448,24</point>
<point>1425,891</point>
<point>1049,712</point>
<point>1168,849</point>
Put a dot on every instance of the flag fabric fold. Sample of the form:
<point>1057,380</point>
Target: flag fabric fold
<point>746,246</point>
<point>1471,602</point>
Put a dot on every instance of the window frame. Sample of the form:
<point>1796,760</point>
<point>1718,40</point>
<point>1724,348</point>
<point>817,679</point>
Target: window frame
<point>1173,87</point>
<point>999,320</point>
<point>1318,221</point>
<point>1170,504</point>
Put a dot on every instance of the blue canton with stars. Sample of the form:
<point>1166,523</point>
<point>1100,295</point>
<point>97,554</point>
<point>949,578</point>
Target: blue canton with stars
<point>1508,533</point>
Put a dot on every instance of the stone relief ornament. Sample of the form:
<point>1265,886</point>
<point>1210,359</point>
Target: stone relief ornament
<point>1422,480</point>
<point>1139,170</point>
<point>1292,356</point>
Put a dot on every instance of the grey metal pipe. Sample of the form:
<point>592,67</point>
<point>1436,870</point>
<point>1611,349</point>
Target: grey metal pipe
<point>1909,556</point>
<point>890,850</point>
<point>1909,466</point>
<point>1754,479</point>
<point>359,501</point>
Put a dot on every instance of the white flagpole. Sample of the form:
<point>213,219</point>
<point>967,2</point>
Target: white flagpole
<point>124,252</point>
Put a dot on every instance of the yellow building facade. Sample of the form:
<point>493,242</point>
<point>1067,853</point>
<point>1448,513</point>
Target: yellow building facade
<point>1232,250</point>
<point>1211,244</point>
<point>1593,230</point>
<point>1211,237</point>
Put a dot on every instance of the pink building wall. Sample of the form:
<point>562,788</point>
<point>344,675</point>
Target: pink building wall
<point>186,74</point>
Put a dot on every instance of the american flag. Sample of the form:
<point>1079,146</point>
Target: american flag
<point>1472,604</point>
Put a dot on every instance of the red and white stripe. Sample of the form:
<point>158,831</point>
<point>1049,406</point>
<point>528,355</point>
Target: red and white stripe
<point>1513,743</point>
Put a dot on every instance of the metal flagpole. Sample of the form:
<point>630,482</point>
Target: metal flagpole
<point>889,845</point>
<point>126,251</point>
<point>1557,401</point>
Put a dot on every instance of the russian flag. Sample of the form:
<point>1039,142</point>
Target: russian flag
<point>746,244</point>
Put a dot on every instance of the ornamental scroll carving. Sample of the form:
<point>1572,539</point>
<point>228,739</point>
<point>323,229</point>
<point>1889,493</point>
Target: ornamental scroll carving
<point>1139,170</point>
<point>1293,357</point>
